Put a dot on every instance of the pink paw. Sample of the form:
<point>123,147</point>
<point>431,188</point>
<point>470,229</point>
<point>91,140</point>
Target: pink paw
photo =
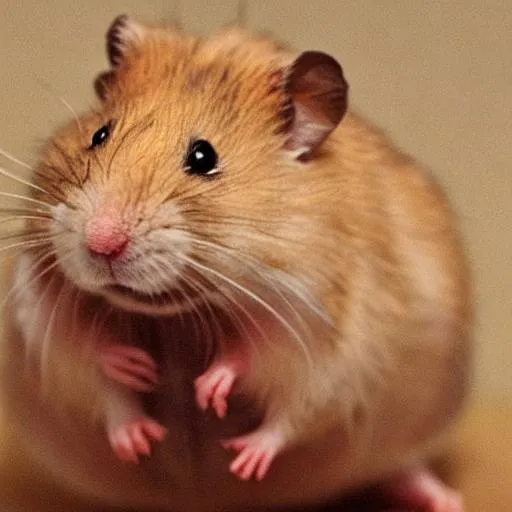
<point>133,438</point>
<point>420,488</point>
<point>256,452</point>
<point>214,386</point>
<point>130,366</point>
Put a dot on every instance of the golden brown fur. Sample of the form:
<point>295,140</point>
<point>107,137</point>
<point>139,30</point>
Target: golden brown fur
<point>360,227</point>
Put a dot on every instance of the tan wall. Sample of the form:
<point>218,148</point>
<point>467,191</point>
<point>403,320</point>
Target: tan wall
<point>437,75</point>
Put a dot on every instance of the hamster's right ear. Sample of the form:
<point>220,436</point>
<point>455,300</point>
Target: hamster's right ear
<point>123,36</point>
<point>317,93</point>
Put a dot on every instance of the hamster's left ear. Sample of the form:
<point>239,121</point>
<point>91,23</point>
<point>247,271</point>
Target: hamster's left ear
<point>123,37</point>
<point>318,93</point>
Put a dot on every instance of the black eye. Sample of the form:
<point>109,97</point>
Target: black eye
<point>201,159</point>
<point>100,137</point>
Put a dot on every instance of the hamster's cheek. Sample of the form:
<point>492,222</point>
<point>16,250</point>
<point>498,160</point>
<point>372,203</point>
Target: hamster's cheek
<point>152,263</point>
<point>68,247</point>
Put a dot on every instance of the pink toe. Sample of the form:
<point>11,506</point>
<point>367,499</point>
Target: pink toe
<point>240,461</point>
<point>123,447</point>
<point>140,443</point>
<point>250,466</point>
<point>155,431</point>
<point>219,398</point>
<point>264,466</point>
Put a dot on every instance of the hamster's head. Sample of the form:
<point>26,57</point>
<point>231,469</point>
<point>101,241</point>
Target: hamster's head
<point>182,183</point>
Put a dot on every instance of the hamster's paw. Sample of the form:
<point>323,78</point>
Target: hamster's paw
<point>133,438</point>
<point>214,386</point>
<point>256,452</point>
<point>420,488</point>
<point>130,366</point>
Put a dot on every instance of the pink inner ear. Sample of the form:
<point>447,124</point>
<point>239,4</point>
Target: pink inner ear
<point>318,91</point>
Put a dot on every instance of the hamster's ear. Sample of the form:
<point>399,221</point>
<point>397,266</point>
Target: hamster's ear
<point>318,94</point>
<point>102,84</point>
<point>123,35</point>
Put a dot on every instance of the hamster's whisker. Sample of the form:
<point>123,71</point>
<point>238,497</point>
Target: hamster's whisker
<point>14,218</point>
<point>46,253</point>
<point>10,253</point>
<point>208,338</point>
<point>25,244</point>
<point>26,211</point>
<point>256,298</point>
<point>15,160</point>
<point>211,324</point>
<point>73,113</point>
<point>159,272</point>
<point>46,343</point>
<point>97,324</point>
<point>41,249</point>
<point>235,305</point>
<point>25,233</point>
<point>27,183</point>
<point>48,88</point>
<point>262,271</point>
<point>230,306</point>
<point>217,329</point>
<point>38,306</point>
<point>10,256</point>
<point>74,312</point>
<point>26,198</point>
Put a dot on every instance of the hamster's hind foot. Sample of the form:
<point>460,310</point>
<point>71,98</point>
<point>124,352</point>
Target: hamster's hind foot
<point>418,487</point>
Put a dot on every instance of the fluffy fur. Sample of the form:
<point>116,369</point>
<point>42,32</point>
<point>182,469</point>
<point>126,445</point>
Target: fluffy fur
<point>362,318</point>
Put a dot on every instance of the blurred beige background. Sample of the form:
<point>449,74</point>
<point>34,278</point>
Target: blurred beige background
<point>437,75</point>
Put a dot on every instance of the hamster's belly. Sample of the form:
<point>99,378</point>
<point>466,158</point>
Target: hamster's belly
<point>184,478</point>
<point>188,472</point>
<point>177,477</point>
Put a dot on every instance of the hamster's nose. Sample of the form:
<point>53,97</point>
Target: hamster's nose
<point>105,234</point>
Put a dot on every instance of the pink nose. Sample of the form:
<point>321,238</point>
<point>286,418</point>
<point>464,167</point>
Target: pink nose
<point>105,234</point>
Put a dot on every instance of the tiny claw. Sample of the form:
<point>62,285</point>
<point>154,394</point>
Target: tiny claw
<point>256,452</point>
<point>129,366</point>
<point>131,439</point>
<point>214,386</point>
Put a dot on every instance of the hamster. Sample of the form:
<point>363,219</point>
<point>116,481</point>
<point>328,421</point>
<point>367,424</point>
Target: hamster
<point>290,287</point>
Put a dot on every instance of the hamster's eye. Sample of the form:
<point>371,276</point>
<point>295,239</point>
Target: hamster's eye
<point>201,159</point>
<point>100,137</point>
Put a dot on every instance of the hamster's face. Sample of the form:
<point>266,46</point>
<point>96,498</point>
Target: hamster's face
<point>183,182</point>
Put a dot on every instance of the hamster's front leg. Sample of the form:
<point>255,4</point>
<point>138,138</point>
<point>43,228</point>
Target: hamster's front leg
<point>128,365</point>
<point>130,430</point>
<point>46,315</point>
<point>214,386</point>
<point>130,370</point>
<point>256,450</point>
<point>312,399</point>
